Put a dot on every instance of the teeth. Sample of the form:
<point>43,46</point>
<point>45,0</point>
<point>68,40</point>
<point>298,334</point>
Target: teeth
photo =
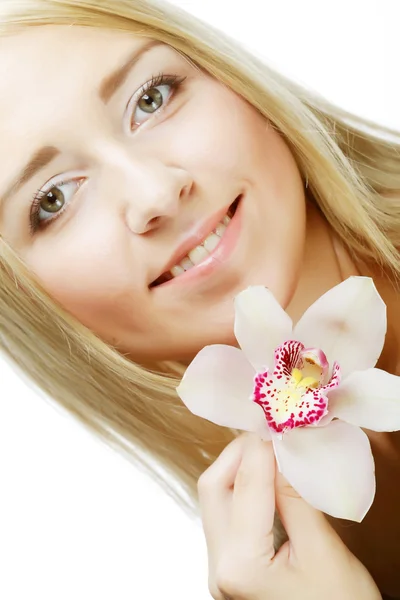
<point>220,229</point>
<point>198,254</point>
<point>186,263</point>
<point>177,270</point>
<point>211,242</point>
<point>201,252</point>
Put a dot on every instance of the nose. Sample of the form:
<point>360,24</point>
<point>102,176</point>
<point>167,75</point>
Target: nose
<point>149,190</point>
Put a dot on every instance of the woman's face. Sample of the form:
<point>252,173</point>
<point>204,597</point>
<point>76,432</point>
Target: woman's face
<point>129,184</point>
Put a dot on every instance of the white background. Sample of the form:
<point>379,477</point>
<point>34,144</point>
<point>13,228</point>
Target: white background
<point>78,521</point>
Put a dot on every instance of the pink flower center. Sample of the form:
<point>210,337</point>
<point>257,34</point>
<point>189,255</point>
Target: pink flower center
<point>294,395</point>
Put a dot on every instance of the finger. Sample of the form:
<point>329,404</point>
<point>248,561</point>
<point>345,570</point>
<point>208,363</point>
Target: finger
<point>215,494</point>
<point>307,528</point>
<point>253,500</point>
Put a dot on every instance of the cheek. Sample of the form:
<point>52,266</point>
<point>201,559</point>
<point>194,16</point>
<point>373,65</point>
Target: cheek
<point>207,136</point>
<point>234,144</point>
<point>278,213</point>
<point>98,288</point>
<point>285,224</point>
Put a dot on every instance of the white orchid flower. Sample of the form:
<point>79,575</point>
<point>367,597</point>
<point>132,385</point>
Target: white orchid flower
<point>309,389</point>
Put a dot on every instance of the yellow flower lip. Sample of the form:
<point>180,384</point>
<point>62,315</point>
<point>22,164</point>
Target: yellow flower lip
<point>294,394</point>
<point>304,382</point>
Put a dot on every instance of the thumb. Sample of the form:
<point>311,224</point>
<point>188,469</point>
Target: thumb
<point>307,528</point>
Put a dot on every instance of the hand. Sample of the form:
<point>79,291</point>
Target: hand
<point>237,496</point>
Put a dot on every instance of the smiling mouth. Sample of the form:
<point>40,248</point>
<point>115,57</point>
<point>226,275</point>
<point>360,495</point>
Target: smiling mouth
<point>200,252</point>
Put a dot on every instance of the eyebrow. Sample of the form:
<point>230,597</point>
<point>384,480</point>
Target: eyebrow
<point>113,82</point>
<point>108,87</point>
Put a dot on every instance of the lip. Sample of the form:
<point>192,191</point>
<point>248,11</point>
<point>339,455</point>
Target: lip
<point>218,256</point>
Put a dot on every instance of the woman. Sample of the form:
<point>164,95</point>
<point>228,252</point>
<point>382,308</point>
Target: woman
<point>123,161</point>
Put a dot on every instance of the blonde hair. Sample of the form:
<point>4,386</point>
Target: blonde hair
<point>352,172</point>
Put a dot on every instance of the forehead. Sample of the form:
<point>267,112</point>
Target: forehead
<point>47,75</point>
<point>55,45</point>
<point>39,59</point>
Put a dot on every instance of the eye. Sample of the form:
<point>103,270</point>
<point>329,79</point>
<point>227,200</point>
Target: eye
<point>151,97</point>
<point>54,200</point>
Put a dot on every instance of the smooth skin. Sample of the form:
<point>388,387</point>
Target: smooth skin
<point>238,495</point>
<point>146,180</point>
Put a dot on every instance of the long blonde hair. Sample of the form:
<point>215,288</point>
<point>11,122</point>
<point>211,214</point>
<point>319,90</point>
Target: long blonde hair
<point>351,169</point>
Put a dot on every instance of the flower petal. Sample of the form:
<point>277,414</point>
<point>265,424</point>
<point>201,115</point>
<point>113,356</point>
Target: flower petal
<point>331,467</point>
<point>369,399</point>
<point>261,325</point>
<point>218,386</point>
<point>348,323</point>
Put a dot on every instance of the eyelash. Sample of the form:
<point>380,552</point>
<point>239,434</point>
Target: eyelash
<point>157,80</point>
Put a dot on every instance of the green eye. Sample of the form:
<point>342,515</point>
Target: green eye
<point>150,98</point>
